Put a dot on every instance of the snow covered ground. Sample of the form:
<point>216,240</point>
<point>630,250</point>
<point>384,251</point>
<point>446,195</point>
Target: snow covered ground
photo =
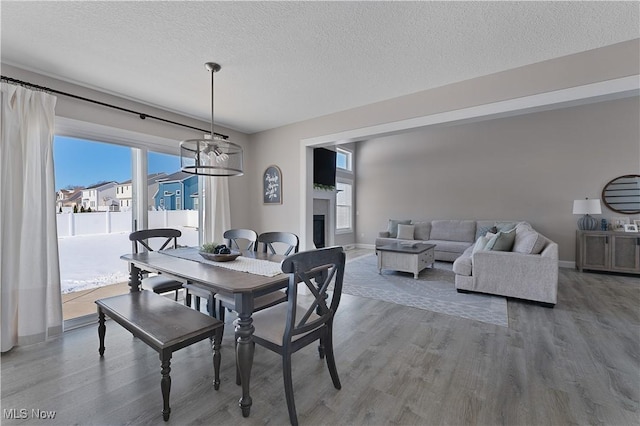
<point>90,261</point>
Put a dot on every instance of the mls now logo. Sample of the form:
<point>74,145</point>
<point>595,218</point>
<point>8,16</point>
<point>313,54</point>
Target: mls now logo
<point>23,413</point>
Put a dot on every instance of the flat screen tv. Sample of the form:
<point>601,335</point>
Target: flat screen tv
<point>324,167</point>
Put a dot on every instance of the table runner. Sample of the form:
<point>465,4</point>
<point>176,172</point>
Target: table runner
<point>241,264</point>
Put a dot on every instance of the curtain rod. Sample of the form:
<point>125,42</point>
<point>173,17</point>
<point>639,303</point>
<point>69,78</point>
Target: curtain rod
<point>142,115</point>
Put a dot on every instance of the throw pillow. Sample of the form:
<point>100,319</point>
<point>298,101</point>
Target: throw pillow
<point>480,244</point>
<point>405,232</point>
<point>482,231</point>
<point>393,226</point>
<point>422,230</point>
<point>503,241</point>
<point>528,242</point>
<point>505,226</point>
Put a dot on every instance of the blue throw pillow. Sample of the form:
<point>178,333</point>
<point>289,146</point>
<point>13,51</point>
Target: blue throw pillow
<point>482,231</point>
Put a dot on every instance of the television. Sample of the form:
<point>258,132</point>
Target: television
<point>324,167</point>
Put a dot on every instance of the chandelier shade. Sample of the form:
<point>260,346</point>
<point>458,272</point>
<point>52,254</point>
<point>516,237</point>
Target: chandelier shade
<point>212,155</point>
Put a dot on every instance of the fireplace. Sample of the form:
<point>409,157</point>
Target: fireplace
<point>318,230</point>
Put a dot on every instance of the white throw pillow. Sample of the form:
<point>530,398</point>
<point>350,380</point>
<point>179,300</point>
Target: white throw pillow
<point>405,232</point>
<point>480,244</point>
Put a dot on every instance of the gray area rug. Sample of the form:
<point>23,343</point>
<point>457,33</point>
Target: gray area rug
<point>434,290</point>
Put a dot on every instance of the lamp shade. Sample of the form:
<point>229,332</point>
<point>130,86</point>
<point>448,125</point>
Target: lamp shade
<point>587,206</point>
<point>211,157</point>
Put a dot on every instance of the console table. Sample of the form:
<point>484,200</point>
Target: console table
<point>608,251</point>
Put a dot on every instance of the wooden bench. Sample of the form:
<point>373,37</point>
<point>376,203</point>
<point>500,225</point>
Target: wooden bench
<point>164,325</point>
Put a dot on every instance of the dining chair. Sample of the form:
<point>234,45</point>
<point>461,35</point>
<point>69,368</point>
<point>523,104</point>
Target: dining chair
<point>290,241</point>
<point>289,327</point>
<point>232,237</point>
<point>168,238</point>
<point>249,236</point>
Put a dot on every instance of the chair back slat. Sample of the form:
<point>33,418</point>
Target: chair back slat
<point>289,239</point>
<point>142,237</point>
<point>318,270</point>
<point>232,236</point>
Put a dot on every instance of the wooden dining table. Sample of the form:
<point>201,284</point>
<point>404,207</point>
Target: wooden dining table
<point>244,287</point>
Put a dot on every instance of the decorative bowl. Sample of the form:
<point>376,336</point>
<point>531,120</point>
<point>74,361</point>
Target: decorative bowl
<point>220,257</point>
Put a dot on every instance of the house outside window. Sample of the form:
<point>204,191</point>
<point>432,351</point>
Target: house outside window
<point>344,206</point>
<point>344,159</point>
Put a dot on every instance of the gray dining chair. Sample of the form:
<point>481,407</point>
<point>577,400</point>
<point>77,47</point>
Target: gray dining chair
<point>289,327</point>
<point>241,239</point>
<point>164,238</point>
<point>288,241</point>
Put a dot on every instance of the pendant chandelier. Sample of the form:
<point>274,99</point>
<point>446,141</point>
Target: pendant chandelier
<point>214,155</point>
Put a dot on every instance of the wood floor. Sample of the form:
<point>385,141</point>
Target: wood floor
<point>578,363</point>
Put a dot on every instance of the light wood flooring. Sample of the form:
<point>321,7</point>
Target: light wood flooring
<point>578,363</point>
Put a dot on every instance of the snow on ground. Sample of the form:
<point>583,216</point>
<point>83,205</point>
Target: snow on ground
<point>90,261</point>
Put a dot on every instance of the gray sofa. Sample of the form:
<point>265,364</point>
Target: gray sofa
<point>451,237</point>
<point>525,269</point>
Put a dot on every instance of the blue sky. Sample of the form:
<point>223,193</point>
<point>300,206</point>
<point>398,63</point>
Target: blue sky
<point>81,162</point>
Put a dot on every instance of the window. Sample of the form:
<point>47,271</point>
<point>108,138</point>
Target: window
<point>344,203</point>
<point>343,159</point>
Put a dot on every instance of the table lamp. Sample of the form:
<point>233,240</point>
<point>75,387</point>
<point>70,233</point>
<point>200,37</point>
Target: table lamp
<point>587,207</point>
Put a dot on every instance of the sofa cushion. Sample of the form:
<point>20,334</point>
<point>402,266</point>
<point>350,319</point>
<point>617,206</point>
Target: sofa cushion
<point>392,227</point>
<point>422,230</point>
<point>528,241</point>
<point>453,230</point>
<point>502,241</point>
<point>405,232</point>
<point>463,266</point>
<point>450,246</point>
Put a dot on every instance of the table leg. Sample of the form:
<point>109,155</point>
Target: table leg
<point>165,384</point>
<point>101,330</point>
<point>216,358</point>
<point>134,278</point>
<point>244,356</point>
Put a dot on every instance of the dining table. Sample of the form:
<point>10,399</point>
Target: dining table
<point>185,264</point>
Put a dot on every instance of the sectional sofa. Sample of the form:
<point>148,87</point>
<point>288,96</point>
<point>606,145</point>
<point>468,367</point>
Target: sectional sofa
<point>506,258</point>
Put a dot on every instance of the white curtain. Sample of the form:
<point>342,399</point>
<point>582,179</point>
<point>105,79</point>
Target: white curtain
<point>217,215</point>
<point>31,304</point>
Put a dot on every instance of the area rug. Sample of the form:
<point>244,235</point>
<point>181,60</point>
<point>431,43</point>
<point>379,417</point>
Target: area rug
<point>434,290</point>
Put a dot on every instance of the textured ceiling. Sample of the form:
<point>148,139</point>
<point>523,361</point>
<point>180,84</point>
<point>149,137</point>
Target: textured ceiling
<point>284,62</point>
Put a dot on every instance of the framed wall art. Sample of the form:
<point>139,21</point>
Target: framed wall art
<point>272,185</point>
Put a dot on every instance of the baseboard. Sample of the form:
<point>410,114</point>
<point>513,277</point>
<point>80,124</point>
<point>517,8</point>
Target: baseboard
<point>365,246</point>
<point>566,264</point>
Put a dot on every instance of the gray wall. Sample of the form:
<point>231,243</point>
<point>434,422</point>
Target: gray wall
<point>283,146</point>
<point>529,168</point>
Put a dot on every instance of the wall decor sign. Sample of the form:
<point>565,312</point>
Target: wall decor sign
<point>272,185</point>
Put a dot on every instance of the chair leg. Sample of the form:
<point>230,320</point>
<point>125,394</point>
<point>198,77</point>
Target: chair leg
<point>288,387</point>
<point>331,361</point>
<point>187,298</point>
<point>176,297</point>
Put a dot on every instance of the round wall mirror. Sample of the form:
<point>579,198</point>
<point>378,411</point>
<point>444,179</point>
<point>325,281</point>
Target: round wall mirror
<point>622,194</point>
